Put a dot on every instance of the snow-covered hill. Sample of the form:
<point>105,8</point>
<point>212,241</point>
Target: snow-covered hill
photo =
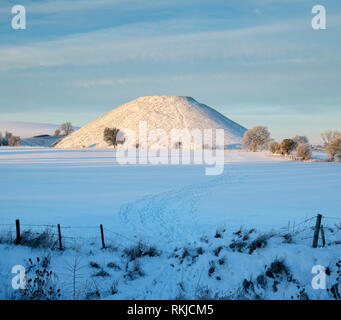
<point>159,112</point>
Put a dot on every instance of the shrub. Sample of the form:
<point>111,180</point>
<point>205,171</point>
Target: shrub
<point>101,273</point>
<point>113,265</point>
<point>141,250</point>
<point>287,146</point>
<point>113,136</point>
<point>40,282</point>
<point>67,128</point>
<point>277,269</point>
<point>185,254</point>
<point>134,272</point>
<point>303,151</point>
<point>288,238</point>
<point>261,280</point>
<point>260,242</point>
<point>238,245</point>
<point>94,265</point>
<point>274,147</point>
<point>217,251</point>
<point>218,234</point>
<point>92,294</point>
<point>256,138</point>
<point>248,286</point>
<point>335,290</point>
<point>45,240</point>
<point>200,251</point>
<point>211,269</point>
<point>57,133</point>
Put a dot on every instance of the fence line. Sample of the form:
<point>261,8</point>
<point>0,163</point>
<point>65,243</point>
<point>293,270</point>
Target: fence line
<point>297,229</point>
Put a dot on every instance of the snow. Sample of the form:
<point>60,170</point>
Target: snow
<point>48,141</point>
<point>171,207</point>
<point>159,112</point>
<point>27,129</point>
<point>33,134</point>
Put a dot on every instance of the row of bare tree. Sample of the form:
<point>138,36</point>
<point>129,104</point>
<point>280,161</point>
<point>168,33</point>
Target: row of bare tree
<point>259,138</point>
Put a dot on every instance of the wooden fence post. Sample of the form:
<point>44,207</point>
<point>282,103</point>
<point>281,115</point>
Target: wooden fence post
<point>60,238</point>
<point>317,230</point>
<point>323,237</point>
<point>17,225</point>
<point>102,236</point>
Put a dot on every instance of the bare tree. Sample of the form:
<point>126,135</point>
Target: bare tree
<point>256,138</point>
<point>67,128</point>
<point>334,147</point>
<point>303,151</point>
<point>329,135</point>
<point>14,141</point>
<point>113,136</point>
<point>300,139</point>
<point>57,133</point>
<point>332,142</point>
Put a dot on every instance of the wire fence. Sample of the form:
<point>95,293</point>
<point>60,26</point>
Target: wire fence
<point>70,235</point>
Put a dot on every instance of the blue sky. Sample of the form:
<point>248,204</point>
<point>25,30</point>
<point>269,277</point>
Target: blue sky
<point>258,62</point>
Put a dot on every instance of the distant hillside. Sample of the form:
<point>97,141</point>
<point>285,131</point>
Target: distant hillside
<point>32,134</point>
<point>28,129</point>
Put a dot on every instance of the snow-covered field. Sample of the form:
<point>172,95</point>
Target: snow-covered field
<point>177,209</point>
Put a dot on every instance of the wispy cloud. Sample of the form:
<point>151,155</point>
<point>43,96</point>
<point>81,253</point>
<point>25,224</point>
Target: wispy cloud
<point>141,43</point>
